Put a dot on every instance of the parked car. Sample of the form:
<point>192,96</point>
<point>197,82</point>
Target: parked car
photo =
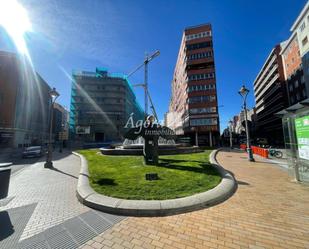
<point>33,151</point>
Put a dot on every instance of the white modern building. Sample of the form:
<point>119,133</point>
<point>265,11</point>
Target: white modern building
<point>301,27</point>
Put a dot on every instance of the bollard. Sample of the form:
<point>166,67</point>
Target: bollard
<point>5,174</point>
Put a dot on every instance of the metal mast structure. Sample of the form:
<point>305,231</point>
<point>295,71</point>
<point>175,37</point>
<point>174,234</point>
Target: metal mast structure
<point>145,85</point>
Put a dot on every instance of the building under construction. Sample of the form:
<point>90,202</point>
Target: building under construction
<point>101,104</point>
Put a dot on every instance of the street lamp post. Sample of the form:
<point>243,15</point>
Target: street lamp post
<point>231,134</point>
<point>243,92</point>
<point>53,96</point>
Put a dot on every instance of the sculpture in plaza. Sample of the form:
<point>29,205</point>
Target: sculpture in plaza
<point>150,130</point>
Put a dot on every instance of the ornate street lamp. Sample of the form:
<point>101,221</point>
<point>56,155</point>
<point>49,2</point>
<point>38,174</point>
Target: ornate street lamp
<point>231,133</point>
<point>243,92</point>
<point>53,96</point>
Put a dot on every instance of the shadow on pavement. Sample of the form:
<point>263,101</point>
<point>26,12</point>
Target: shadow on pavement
<point>62,172</point>
<point>6,227</point>
<point>185,165</point>
<point>242,183</point>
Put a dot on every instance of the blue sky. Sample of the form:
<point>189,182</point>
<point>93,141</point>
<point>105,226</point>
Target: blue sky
<point>84,34</point>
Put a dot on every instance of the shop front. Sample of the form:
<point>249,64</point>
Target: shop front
<point>295,121</point>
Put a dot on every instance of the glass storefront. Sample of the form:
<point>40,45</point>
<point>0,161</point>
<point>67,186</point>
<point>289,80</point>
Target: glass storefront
<point>296,137</point>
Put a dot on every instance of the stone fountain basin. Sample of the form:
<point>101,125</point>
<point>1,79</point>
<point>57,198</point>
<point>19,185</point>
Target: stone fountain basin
<point>140,146</point>
<point>137,149</point>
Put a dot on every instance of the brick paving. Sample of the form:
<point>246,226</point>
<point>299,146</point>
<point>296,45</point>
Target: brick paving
<point>52,190</point>
<point>267,211</point>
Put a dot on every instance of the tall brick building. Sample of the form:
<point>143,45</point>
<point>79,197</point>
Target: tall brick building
<point>293,71</point>
<point>295,55</point>
<point>24,103</point>
<point>193,110</point>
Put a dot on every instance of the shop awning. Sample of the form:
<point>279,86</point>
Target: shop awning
<point>293,108</point>
<point>305,102</point>
<point>281,113</point>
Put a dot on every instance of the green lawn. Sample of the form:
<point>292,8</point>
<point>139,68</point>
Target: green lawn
<point>124,176</point>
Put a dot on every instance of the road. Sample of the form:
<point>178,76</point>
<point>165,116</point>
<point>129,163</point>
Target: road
<point>17,160</point>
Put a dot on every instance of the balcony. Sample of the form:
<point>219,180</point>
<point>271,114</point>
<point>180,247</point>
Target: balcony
<point>268,85</point>
<point>202,63</point>
<point>264,70</point>
<point>262,84</point>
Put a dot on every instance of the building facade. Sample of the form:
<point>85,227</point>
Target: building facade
<point>60,122</point>
<point>293,71</point>
<point>270,97</point>
<point>295,118</point>
<point>24,103</point>
<point>101,104</point>
<point>193,109</point>
<point>295,55</point>
<point>300,29</point>
<point>291,56</point>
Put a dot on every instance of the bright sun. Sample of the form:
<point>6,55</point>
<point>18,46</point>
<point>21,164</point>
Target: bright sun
<point>14,19</point>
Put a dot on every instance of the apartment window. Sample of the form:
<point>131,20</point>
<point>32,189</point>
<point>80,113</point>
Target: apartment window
<point>291,87</point>
<point>302,27</point>
<point>296,83</point>
<point>303,79</point>
<point>202,110</point>
<point>202,76</point>
<point>305,41</point>
<point>203,121</point>
<point>199,35</point>
<point>201,88</point>
<point>200,99</point>
<point>199,45</point>
<point>200,55</point>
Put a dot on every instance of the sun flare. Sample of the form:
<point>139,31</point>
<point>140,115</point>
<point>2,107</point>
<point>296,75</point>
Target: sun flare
<point>14,19</point>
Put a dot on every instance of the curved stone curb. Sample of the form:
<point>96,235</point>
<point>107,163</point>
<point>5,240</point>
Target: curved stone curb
<point>90,198</point>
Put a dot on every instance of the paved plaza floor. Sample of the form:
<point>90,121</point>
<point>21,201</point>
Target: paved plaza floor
<point>268,210</point>
<point>42,210</point>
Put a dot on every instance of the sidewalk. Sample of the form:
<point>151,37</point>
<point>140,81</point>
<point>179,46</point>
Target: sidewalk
<point>267,211</point>
<point>42,210</point>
